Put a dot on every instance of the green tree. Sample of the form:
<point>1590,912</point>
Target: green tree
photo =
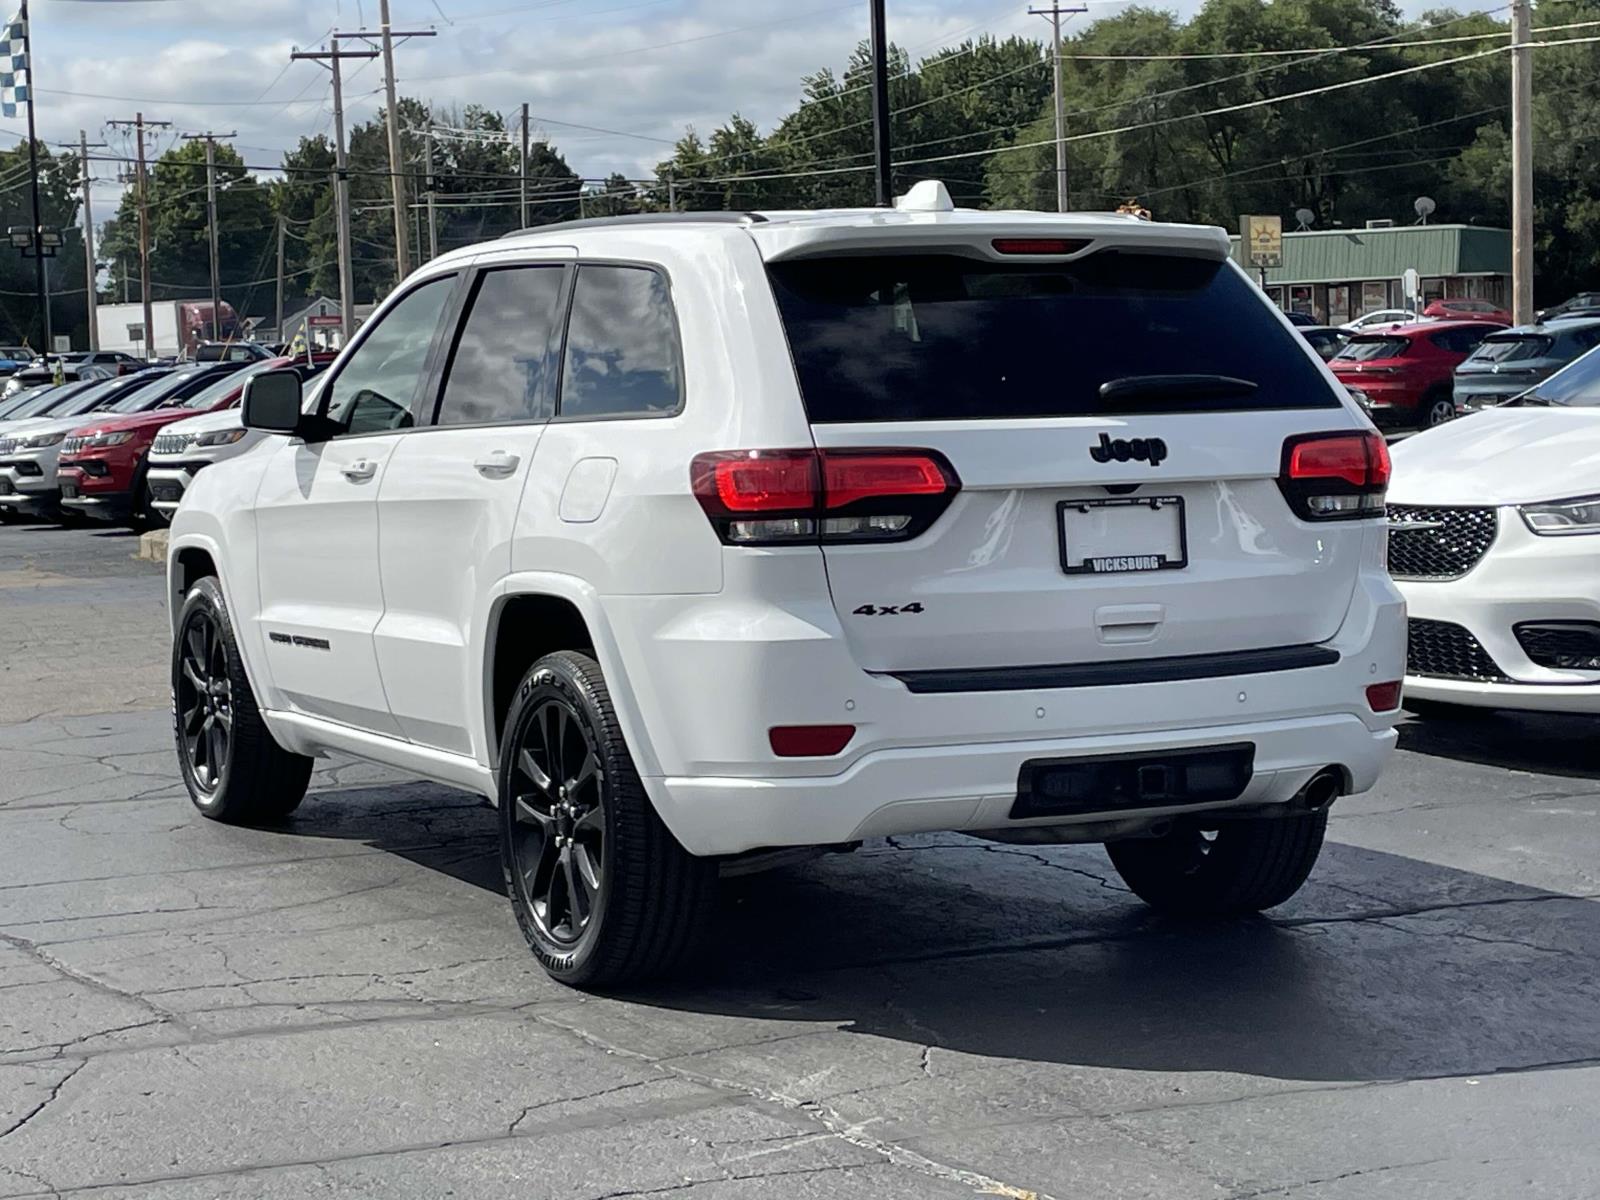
<point>20,316</point>
<point>180,254</point>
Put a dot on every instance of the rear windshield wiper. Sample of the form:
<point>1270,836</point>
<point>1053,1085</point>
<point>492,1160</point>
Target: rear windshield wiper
<point>1155,387</point>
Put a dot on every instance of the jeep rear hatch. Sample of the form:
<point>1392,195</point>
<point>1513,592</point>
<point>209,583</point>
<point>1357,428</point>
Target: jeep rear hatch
<point>1115,427</point>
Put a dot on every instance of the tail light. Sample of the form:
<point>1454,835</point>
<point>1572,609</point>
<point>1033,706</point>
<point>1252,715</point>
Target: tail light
<point>1335,476</point>
<point>782,497</point>
<point>1038,245</point>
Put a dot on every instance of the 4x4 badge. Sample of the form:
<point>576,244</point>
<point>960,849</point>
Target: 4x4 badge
<point>1150,450</point>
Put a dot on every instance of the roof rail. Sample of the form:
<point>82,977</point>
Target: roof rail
<point>712,216</point>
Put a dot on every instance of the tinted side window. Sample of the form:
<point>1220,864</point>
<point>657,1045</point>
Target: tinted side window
<point>374,389</point>
<point>622,345</point>
<point>498,372</point>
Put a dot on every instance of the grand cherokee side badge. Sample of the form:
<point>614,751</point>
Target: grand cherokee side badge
<point>1150,450</point>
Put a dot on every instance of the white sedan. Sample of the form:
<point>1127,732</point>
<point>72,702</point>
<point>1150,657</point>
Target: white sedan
<point>1385,316</point>
<point>1494,537</point>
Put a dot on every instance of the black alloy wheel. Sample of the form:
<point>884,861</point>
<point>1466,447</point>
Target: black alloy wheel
<point>558,843</point>
<point>204,699</point>
<point>602,891</point>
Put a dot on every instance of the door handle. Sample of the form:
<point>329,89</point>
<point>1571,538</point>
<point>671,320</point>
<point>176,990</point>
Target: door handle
<point>360,470</point>
<point>499,463</point>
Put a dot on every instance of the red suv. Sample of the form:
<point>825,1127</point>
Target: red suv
<point>1404,374</point>
<point>102,464</point>
<point>1462,309</point>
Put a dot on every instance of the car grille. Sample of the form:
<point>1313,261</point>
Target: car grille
<point>171,443</point>
<point>7,445</point>
<point>1444,650</point>
<point>73,444</point>
<point>1446,543</point>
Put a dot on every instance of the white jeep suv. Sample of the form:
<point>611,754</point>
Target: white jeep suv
<point>694,537</point>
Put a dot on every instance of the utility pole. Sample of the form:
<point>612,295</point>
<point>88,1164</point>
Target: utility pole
<point>522,166</point>
<point>880,105</point>
<point>139,125</point>
<point>90,268</point>
<point>211,224</point>
<point>1054,13</point>
<point>433,229</point>
<point>279,307</point>
<point>341,180</point>
<point>672,190</point>
<point>1521,162</point>
<point>397,176</point>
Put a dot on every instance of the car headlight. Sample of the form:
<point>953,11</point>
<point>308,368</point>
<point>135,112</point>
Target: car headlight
<point>98,440</point>
<point>219,437</point>
<point>1561,518</point>
<point>40,440</point>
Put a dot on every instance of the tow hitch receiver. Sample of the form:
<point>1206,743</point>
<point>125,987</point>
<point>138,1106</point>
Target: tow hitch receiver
<point>1049,787</point>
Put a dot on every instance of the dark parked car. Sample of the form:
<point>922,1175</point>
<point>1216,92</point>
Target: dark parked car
<point>1405,373</point>
<point>1300,318</point>
<point>1326,340</point>
<point>1509,363</point>
<point>1569,306</point>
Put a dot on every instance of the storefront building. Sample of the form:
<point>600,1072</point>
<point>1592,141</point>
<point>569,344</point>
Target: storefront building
<point>1336,275</point>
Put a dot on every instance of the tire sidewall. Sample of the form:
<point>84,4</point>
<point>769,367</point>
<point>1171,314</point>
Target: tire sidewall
<point>554,680</point>
<point>204,596</point>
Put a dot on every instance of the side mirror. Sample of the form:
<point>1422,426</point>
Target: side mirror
<point>272,402</point>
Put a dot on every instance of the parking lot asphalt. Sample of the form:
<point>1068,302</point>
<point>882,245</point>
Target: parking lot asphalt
<point>344,1006</point>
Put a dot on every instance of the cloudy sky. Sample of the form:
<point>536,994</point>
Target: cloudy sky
<point>611,82</point>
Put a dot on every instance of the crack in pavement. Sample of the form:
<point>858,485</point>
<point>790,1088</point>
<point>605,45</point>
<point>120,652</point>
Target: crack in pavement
<point>45,1103</point>
<point>543,1104</point>
<point>599,1120</point>
<point>853,1133</point>
<point>687,1184</point>
<point>1286,1189</point>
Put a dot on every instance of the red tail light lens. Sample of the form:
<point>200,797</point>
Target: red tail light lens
<point>1335,476</point>
<point>1383,697</point>
<point>761,481</point>
<point>809,741</point>
<point>775,497</point>
<point>1039,245</point>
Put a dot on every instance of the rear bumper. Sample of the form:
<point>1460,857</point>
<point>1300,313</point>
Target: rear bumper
<point>973,786</point>
<point>951,761</point>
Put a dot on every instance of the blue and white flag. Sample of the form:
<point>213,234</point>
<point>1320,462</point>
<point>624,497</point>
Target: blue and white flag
<point>14,65</point>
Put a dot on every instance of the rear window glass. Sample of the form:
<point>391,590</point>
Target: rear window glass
<point>1365,349</point>
<point>1509,349</point>
<point>945,338</point>
<point>1577,384</point>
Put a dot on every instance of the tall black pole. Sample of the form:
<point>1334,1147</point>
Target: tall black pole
<point>33,179</point>
<point>880,105</point>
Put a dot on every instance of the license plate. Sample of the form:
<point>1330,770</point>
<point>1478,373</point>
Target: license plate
<point>1123,534</point>
<point>162,490</point>
<point>69,491</point>
<point>5,486</point>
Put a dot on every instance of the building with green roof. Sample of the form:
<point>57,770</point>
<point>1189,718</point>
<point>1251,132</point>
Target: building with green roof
<point>1335,275</point>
